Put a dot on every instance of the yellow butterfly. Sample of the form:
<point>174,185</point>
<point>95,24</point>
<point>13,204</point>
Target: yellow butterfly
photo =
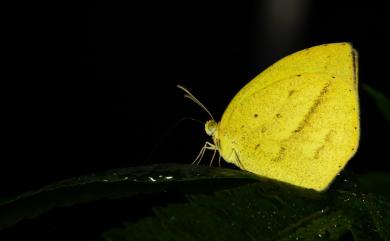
<point>296,122</point>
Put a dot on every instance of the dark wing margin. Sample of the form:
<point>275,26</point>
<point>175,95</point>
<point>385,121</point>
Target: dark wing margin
<point>355,67</point>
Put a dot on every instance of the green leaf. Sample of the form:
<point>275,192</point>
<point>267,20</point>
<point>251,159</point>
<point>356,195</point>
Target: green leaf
<point>382,102</point>
<point>260,212</point>
<point>220,204</point>
<point>118,184</point>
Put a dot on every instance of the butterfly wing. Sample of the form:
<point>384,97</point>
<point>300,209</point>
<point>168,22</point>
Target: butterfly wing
<point>301,129</point>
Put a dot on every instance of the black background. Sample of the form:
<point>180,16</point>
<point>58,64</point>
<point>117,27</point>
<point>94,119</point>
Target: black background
<point>92,86</point>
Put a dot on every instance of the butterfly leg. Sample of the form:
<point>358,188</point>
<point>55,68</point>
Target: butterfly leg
<point>200,155</point>
<point>238,160</point>
<point>218,144</point>
<point>211,146</point>
<point>212,158</point>
<point>207,145</point>
<point>216,147</point>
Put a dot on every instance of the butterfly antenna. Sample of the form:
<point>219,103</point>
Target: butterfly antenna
<point>194,99</point>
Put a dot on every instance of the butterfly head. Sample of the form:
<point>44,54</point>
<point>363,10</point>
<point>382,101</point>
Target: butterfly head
<point>211,127</point>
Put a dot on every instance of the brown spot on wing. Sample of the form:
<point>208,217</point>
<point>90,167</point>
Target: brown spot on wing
<point>313,108</point>
<point>291,92</point>
<point>263,129</point>
<point>327,140</point>
<point>281,155</point>
<point>317,152</point>
<point>329,136</point>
